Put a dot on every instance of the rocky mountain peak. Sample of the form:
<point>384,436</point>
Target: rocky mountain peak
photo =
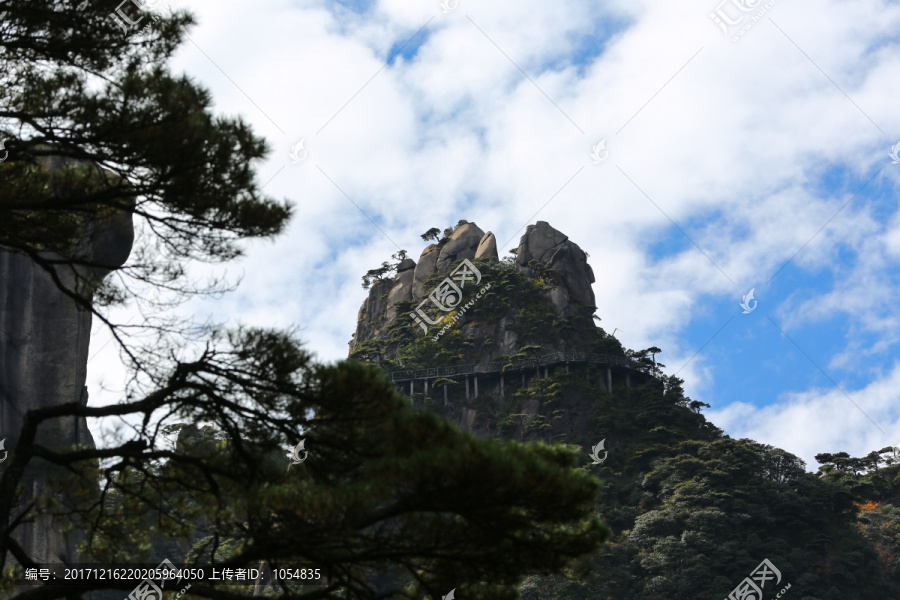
<point>552,248</point>
<point>556,268</point>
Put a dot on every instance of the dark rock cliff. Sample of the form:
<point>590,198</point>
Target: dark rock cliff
<point>44,339</point>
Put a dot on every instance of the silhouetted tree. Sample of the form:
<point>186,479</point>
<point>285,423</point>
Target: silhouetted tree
<point>432,234</point>
<point>382,272</point>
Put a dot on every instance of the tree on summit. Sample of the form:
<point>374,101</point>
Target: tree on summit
<point>432,234</point>
<point>384,271</point>
<point>436,235</point>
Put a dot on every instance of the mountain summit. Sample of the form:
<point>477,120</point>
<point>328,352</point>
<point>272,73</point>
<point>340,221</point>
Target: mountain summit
<point>556,266</point>
<point>467,333</point>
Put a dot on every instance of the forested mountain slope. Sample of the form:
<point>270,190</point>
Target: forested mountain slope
<point>692,512</point>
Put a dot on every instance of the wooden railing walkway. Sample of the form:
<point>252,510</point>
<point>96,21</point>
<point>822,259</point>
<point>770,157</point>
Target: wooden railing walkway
<point>541,361</point>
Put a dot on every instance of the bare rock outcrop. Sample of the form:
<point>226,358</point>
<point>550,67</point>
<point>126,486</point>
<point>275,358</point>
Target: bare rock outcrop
<point>370,320</point>
<point>463,243</point>
<point>44,339</point>
<point>541,242</point>
<point>425,268</point>
<point>380,309</point>
<point>402,288</point>
<point>546,245</point>
<point>487,247</point>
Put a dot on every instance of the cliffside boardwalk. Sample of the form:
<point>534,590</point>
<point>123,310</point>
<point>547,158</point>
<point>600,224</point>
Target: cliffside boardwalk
<point>495,372</point>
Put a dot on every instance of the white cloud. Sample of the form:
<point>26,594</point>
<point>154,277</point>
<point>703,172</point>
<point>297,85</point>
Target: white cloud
<point>820,420</point>
<point>729,148</point>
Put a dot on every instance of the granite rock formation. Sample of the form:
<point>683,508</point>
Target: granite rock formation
<point>536,305</point>
<point>541,242</point>
<point>44,339</point>
<point>487,247</point>
<point>379,310</point>
<point>550,247</point>
<point>463,243</point>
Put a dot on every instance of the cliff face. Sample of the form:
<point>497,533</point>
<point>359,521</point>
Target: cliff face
<point>418,285</point>
<point>44,339</point>
<point>476,338</point>
<point>552,249</point>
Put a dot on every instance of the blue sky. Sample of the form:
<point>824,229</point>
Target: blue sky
<point>749,146</point>
<point>754,360</point>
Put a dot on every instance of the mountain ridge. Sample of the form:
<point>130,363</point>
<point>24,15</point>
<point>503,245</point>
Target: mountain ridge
<point>693,512</point>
